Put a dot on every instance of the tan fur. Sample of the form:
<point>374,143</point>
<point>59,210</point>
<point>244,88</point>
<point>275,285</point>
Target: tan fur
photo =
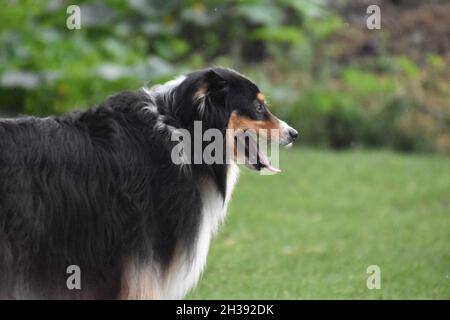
<point>267,128</point>
<point>201,92</point>
<point>140,282</point>
<point>260,97</point>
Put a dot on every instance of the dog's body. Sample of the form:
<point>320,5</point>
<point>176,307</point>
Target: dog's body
<point>99,190</point>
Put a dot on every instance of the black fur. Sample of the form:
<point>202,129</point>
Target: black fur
<point>96,187</point>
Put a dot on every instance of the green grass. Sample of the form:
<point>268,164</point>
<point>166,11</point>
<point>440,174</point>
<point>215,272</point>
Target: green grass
<point>312,231</point>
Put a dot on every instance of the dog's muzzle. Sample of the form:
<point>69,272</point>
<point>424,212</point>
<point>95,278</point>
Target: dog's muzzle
<point>287,134</point>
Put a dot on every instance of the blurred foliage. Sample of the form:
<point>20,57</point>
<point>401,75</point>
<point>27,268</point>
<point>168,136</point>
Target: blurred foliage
<point>320,71</point>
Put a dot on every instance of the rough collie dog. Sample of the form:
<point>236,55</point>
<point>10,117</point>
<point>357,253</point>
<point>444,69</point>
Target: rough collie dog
<point>98,191</point>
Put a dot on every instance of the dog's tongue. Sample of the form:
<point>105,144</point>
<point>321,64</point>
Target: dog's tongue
<point>263,159</point>
<point>255,152</point>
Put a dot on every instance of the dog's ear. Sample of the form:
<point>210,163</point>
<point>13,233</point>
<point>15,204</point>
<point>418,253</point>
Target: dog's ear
<point>213,87</point>
<point>214,81</point>
<point>212,91</point>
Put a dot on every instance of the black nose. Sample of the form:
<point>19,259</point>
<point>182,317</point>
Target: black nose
<point>293,134</point>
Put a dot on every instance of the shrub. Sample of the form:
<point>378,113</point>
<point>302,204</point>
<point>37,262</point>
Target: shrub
<point>328,118</point>
<point>404,107</point>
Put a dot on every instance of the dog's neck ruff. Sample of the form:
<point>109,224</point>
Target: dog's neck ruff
<point>162,94</point>
<point>186,270</point>
<point>187,267</point>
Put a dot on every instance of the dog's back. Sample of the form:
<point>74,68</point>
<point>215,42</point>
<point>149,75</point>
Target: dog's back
<point>53,211</point>
<point>92,190</point>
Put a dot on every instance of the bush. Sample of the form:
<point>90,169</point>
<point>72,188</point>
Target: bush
<point>404,107</point>
<point>328,118</point>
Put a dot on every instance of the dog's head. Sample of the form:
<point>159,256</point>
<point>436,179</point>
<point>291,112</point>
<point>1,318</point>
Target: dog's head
<point>224,99</point>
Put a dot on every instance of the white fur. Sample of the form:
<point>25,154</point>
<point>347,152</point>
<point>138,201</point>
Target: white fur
<point>152,109</point>
<point>161,89</point>
<point>186,271</point>
<point>201,100</point>
<point>284,133</point>
<point>160,124</point>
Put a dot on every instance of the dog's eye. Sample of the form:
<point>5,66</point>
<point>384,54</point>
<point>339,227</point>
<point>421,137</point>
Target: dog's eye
<point>259,108</point>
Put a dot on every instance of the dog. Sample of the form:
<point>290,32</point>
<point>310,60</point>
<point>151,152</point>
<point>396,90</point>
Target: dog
<point>98,190</point>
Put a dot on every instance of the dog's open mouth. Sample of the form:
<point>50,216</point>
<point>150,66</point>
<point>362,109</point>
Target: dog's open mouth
<point>255,158</point>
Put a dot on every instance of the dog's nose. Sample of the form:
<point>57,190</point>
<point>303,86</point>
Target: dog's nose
<point>293,133</point>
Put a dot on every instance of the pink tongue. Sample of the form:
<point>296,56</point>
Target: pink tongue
<point>255,151</point>
<point>266,162</point>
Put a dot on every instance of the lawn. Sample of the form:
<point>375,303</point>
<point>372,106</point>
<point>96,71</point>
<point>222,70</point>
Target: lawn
<point>312,231</point>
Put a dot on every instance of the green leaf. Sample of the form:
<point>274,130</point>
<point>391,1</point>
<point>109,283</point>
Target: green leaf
<point>262,13</point>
